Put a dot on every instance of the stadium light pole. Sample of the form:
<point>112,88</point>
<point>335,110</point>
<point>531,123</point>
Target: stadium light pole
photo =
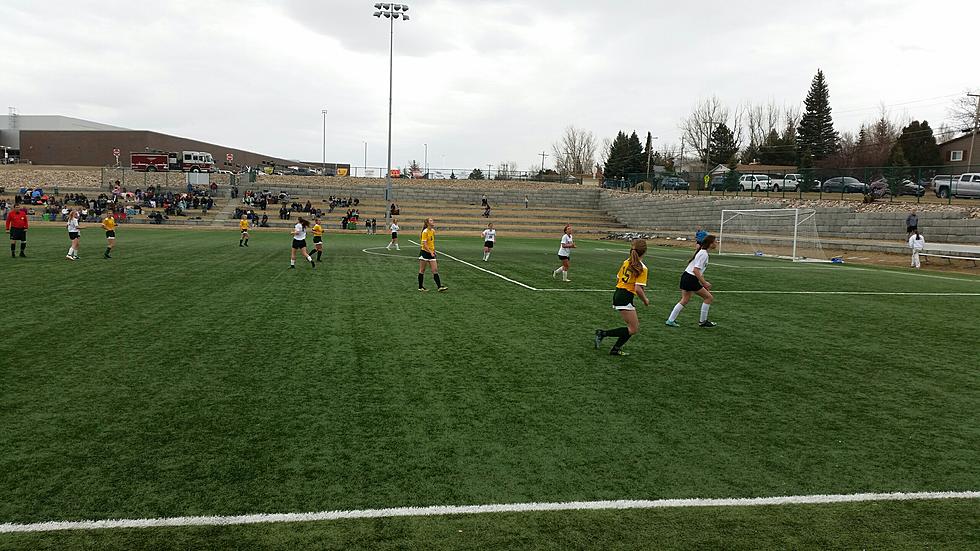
<point>391,12</point>
<point>323,163</point>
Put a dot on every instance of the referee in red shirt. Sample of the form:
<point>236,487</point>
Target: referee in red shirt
<point>16,224</point>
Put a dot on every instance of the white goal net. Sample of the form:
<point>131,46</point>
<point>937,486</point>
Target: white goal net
<point>776,233</point>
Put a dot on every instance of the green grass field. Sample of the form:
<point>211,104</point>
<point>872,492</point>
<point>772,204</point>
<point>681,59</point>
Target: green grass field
<point>188,376</point>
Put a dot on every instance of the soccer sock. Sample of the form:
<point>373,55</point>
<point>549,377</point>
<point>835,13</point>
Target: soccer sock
<point>421,276</point>
<point>292,262</point>
<point>622,335</point>
<point>309,258</point>
<point>436,277</point>
<point>675,312</point>
<point>564,275</point>
<point>621,341</point>
<point>246,242</point>
<point>23,245</point>
<point>319,255</point>
<point>240,241</point>
<point>704,312</point>
<point>13,248</point>
<point>71,251</point>
<point>107,251</point>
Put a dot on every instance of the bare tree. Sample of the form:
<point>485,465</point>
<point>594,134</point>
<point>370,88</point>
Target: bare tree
<point>963,112</point>
<point>945,132</point>
<point>697,127</point>
<point>575,151</point>
<point>507,170</point>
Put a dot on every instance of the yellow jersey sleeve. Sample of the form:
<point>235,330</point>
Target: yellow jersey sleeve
<point>642,280</point>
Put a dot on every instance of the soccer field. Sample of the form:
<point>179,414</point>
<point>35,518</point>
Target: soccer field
<point>190,377</point>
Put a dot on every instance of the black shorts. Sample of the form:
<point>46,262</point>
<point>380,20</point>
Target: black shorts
<point>910,229</point>
<point>690,283</point>
<point>426,255</point>
<point>317,239</point>
<point>18,234</point>
<point>622,298</point>
<point>73,235</point>
<point>563,258</point>
<point>488,244</point>
<point>110,234</point>
<point>244,232</point>
<point>299,244</point>
<point>394,235</point>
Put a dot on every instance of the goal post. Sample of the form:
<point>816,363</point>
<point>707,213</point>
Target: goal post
<point>775,233</point>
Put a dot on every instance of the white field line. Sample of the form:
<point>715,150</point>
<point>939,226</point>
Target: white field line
<point>495,274</point>
<point>444,510</point>
<point>871,293</point>
<point>369,249</point>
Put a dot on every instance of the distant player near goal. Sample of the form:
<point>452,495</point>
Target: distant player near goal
<point>299,244</point>
<point>394,235</point>
<point>243,226</point>
<point>564,251</point>
<point>693,283</point>
<point>109,225</point>
<point>489,237</point>
<point>427,255</point>
<point>630,281</point>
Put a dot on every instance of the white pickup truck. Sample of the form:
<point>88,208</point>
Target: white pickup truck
<point>790,182</point>
<point>966,185</point>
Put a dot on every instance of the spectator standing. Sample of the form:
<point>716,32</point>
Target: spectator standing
<point>916,243</point>
<point>911,223</point>
<point>525,201</point>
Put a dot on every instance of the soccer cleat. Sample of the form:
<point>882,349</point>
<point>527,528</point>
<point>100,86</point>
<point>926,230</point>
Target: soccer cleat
<point>240,245</point>
<point>599,335</point>
<point>246,244</point>
<point>615,352</point>
<point>313,264</point>
<point>22,255</point>
<point>670,323</point>
<point>292,267</point>
<point>707,323</point>
<point>442,288</point>
<point>69,257</point>
<point>422,289</point>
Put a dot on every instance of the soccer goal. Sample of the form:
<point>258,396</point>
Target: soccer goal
<point>775,233</point>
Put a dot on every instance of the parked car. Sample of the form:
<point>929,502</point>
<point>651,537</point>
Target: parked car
<point>844,184</point>
<point>674,183</point>
<point>881,188</point>
<point>757,182</point>
<point>789,182</point>
<point>966,185</point>
<point>719,182</point>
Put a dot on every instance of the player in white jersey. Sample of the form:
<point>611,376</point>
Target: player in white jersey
<point>567,244</point>
<point>916,243</point>
<point>73,235</point>
<point>299,243</point>
<point>693,283</point>
<point>394,235</point>
<point>489,238</point>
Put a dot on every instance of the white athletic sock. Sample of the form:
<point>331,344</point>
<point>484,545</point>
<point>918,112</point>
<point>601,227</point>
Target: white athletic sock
<point>71,251</point>
<point>704,312</point>
<point>558,269</point>
<point>309,259</point>
<point>675,312</point>
<point>564,275</point>
<point>397,248</point>
<point>292,262</point>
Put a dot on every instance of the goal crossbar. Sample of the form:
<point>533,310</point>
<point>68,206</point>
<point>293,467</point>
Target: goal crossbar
<point>785,238</point>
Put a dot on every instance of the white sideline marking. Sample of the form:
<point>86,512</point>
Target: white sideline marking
<point>881,293</point>
<point>443,510</point>
<point>369,249</point>
<point>505,278</point>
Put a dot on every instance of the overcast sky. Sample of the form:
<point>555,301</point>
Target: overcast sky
<point>479,82</point>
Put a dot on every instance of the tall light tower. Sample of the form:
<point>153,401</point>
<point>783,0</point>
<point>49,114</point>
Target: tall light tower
<point>323,163</point>
<point>391,12</point>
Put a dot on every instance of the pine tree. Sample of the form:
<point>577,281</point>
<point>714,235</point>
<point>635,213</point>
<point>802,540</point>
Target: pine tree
<point>635,161</point>
<point>615,166</point>
<point>918,145</point>
<point>477,174</point>
<point>816,131</point>
<point>722,149</point>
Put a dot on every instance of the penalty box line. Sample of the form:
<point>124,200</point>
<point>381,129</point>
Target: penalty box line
<point>444,510</point>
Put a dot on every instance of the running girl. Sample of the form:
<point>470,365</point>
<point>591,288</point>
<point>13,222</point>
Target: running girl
<point>427,255</point>
<point>630,281</point>
<point>73,235</point>
<point>109,225</point>
<point>394,235</point>
<point>318,238</point>
<point>243,225</point>
<point>299,243</point>
<point>489,237</point>
<point>567,244</point>
<point>693,283</point>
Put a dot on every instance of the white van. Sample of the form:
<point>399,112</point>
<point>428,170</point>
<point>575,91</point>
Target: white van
<point>757,182</point>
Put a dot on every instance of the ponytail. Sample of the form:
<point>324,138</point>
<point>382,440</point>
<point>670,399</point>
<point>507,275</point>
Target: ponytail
<point>704,245</point>
<point>637,249</point>
<point>304,222</point>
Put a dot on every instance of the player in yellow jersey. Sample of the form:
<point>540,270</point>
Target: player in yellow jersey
<point>243,225</point>
<point>427,255</point>
<point>317,238</point>
<point>109,225</point>
<point>630,281</point>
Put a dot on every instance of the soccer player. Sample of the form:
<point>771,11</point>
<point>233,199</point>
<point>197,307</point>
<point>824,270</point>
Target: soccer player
<point>299,243</point>
<point>318,238</point>
<point>109,225</point>
<point>427,255</point>
<point>243,225</point>
<point>693,282</point>
<point>630,281</point>
<point>16,224</point>
<point>916,243</point>
<point>73,234</point>
<point>394,235</point>
<point>567,244</point>
<point>489,237</point>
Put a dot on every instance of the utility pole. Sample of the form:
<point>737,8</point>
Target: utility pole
<point>323,166</point>
<point>973,140</point>
<point>365,158</point>
<point>488,170</point>
<point>425,160</point>
<point>543,155</point>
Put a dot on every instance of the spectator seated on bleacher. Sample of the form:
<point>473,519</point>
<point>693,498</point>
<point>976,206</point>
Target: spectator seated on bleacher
<point>265,221</point>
